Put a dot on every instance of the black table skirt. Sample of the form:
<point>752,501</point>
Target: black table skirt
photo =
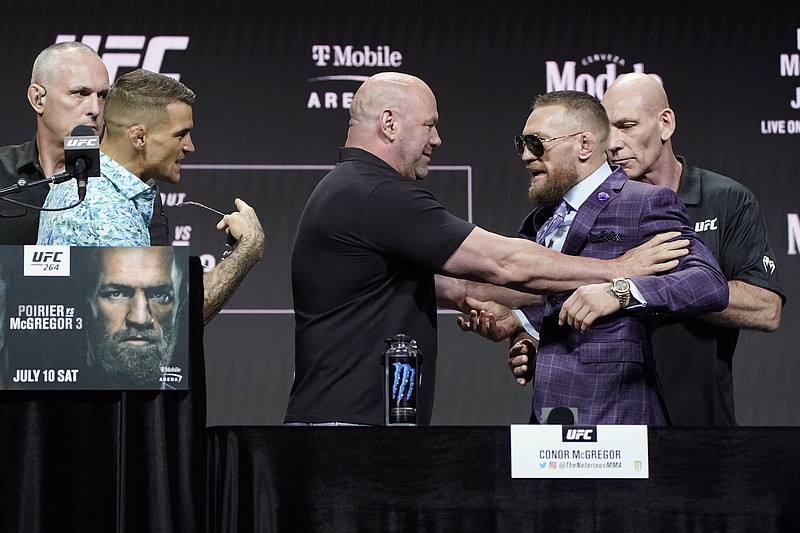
<point>459,479</point>
<point>105,461</point>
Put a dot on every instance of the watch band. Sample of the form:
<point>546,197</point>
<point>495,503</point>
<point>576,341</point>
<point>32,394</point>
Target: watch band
<point>621,288</point>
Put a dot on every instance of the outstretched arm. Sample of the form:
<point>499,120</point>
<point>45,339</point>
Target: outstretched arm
<point>526,266</point>
<point>490,306</point>
<point>222,281</point>
<point>452,293</point>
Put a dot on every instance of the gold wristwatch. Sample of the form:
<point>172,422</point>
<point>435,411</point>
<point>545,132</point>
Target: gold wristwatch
<point>621,288</point>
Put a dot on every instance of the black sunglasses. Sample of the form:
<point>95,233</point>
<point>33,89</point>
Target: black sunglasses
<point>535,144</point>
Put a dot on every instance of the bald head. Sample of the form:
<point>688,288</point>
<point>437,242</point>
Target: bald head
<point>638,89</point>
<point>385,90</point>
<point>394,116</point>
<point>59,57</point>
<point>69,85</point>
<point>642,125</point>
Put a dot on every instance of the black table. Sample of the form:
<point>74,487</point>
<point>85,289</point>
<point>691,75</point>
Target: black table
<point>459,479</point>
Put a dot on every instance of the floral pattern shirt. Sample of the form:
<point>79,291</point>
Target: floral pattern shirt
<point>116,211</point>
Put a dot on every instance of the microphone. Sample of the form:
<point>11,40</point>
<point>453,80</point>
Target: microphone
<point>82,156</point>
<point>563,416</point>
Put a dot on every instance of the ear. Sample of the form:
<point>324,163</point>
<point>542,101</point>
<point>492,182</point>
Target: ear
<point>137,135</point>
<point>666,123</point>
<point>36,95</point>
<point>388,124</point>
<point>588,144</point>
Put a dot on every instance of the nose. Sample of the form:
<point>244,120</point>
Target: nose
<point>614,141</point>
<point>189,145</point>
<point>138,315</point>
<point>526,154</point>
<point>435,139</point>
<point>94,105</point>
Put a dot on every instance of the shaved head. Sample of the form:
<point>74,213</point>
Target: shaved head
<point>640,89</point>
<point>386,89</point>
<point>393,116</point>
<point>49,63</point>
<point>642,125</point>
<point>69,85</point>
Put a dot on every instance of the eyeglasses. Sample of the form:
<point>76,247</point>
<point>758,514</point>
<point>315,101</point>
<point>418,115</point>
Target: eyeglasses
<point>536,144</point>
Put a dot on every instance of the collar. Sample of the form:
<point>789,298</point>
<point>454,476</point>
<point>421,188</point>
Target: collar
<point>29,157</point>
<point>689,189</point>
<point>351,153</point>
<point>584,188</point>
<point>123,179</point>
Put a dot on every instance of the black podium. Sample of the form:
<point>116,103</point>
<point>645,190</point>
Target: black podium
<point>108,460</point>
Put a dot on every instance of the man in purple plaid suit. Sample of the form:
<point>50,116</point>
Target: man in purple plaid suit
<point>594,344</point>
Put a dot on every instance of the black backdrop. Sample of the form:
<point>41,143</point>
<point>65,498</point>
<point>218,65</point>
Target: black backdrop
<point>260,68</point>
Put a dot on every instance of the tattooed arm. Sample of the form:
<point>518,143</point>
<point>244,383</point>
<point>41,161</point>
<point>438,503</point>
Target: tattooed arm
<point>220,283</point>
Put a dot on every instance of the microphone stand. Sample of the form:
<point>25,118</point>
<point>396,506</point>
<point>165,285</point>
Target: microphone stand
<point>23,184</point>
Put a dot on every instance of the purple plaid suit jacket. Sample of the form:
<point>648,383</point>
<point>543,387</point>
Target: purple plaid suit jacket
<point>608,372</point>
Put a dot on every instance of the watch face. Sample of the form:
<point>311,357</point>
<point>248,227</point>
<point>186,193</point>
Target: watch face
<point>621,285</point>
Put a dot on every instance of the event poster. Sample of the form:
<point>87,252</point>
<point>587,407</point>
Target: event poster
<point>87,318</point>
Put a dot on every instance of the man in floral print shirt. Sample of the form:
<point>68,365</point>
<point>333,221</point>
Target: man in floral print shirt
<point>148,120</point>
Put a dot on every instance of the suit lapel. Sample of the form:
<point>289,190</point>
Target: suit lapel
<point>587,215</point>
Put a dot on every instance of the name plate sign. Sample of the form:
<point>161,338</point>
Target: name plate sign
<point>561,452</point>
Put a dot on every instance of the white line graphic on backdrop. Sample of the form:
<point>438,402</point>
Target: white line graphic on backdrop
<point>341,77</point>
<point>466,168</point>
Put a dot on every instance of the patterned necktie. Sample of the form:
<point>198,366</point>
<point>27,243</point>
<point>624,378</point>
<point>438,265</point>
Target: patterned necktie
<point>553,223</point>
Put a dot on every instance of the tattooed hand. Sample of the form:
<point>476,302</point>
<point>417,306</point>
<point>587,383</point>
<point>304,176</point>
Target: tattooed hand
<point>220,284</point>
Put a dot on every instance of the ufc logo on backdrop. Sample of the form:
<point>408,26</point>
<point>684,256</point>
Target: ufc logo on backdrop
<point>132,50</point>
